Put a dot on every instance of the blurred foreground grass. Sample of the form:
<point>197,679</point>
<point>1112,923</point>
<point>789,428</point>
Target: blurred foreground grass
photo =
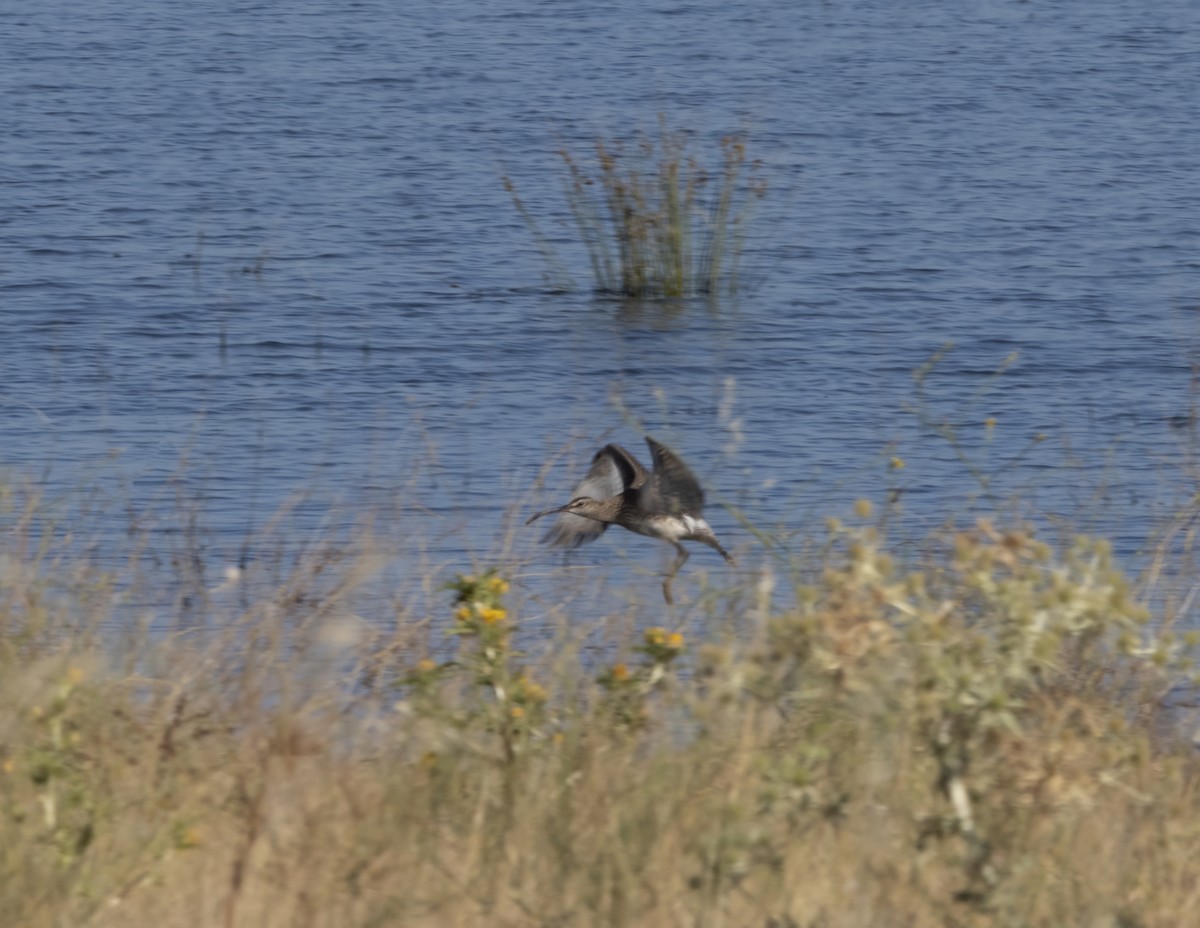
<point>991,736</point>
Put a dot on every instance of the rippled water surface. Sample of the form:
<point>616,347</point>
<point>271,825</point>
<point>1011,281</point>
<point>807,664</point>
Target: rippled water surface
<point>253,251</point>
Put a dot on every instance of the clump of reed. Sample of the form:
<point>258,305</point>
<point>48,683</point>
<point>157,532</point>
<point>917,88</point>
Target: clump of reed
<point>978,738</point>
<point>654,221</point>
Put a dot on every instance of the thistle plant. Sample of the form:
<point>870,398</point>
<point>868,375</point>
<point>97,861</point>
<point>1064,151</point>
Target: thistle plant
<point>57,766</point>
<point>627,688</point>
<point>482,622</point>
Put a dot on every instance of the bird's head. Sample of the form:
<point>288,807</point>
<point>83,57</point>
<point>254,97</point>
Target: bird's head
<point>580,505</point>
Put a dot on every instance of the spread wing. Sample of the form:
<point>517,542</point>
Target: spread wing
<point>672,487</point>
<point>614,470</point>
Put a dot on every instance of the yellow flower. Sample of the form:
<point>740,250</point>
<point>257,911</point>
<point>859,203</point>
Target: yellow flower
<point>527,690</point>
<point>516,712</point>
<point>534,692</point>
<point>492,614</point>
<point>862,508</point>
<point>990,423</point>
<point>498,585</point>
<point>464,613</point>
<point>656,635</point>
<point>675,641</point>
<point>896,463</point>
<point>620,673</point>
<point>426,666</point>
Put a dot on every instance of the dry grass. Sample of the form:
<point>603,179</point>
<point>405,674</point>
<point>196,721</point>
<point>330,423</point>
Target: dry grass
<point>977,740</point>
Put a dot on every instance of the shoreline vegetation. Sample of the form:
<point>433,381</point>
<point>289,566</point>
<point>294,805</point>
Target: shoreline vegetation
<point>654,221</point>
<point>989,733</point>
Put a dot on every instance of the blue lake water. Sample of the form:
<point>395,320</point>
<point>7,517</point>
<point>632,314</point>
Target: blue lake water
<point>258,256</point>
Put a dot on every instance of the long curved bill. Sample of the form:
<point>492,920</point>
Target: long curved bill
<point>545,512</point>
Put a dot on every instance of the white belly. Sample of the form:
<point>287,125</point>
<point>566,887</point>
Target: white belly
<point>674,528</point>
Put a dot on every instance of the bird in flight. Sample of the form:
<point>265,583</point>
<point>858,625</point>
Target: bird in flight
<point>665,503</point>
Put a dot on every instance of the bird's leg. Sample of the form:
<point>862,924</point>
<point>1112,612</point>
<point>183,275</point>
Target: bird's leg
<point>679,561</point>
<point>705,535</point>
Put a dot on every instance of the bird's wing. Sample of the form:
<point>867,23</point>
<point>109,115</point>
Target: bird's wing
<point>613,471</point>
<point>672,487</point>
<point>610,460</point>
<point>570,531</point>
